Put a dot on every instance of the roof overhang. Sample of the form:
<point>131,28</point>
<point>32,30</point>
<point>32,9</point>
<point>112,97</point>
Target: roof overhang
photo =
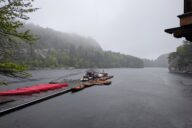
<point>183,31</point>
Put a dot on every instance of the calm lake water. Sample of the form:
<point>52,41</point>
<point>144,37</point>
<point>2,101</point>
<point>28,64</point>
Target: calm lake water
<point>137,98</point>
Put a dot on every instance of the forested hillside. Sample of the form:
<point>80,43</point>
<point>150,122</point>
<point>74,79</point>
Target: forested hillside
<point>161,61</point>
<point>57,49</point>
<point>49,38</point>
<point>181,60</point>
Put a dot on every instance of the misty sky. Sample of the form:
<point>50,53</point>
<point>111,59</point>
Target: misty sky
<point>134,27</point>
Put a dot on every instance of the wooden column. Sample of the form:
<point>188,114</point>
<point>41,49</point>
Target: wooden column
<point>186,18</point>
<point>185,29</point>
<point>187,6</point>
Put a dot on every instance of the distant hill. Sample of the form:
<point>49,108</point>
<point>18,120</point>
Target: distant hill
<point>49,38</point>
<point>58,49</point>
<point>161,61</point>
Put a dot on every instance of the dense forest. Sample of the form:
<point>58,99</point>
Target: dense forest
<point>57,49</point>
<point>181,60</point>
<point>25,47</point>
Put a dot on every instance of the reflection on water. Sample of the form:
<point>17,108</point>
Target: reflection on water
<point>137,98</point>
<point>42,76</point>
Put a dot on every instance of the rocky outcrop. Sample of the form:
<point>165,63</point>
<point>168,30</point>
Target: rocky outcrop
<point>181,60</point>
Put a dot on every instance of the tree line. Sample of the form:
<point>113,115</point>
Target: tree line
<point>20,49</point>
<point>55,49</point>
<point>161,61</point>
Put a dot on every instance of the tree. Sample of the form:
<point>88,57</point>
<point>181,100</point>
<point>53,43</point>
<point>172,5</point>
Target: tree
<point>181,60</point>
<point>13,13</point>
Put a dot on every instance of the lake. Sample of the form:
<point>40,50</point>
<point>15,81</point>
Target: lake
<point>137,98</point>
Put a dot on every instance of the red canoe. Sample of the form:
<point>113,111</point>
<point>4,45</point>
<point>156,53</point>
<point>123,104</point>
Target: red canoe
<point>32,89</point>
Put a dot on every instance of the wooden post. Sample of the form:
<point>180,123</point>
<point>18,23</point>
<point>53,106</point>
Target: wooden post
<point>187,6</point>
<point>185,29</point>
<point>186,18</point>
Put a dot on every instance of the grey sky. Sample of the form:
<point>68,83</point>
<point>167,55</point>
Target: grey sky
<point>134,27</point>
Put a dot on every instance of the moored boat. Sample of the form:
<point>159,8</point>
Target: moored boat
<point>92,78</point>
<point>101,82</point>
<point>78,88</point>
<point>105,78</point>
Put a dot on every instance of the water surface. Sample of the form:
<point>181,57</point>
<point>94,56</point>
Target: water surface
<point>137,98</point>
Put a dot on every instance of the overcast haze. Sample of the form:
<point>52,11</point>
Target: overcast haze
<point>134,27</point>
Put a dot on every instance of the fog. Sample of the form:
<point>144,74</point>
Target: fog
<point>133,27</point>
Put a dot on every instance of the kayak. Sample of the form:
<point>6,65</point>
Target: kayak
<point>33,89</point>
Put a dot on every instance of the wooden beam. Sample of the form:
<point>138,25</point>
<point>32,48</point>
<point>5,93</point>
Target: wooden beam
<point>185,29</point>
<point>179,32</point>
<point>185,19</point>
<point>187,6</point>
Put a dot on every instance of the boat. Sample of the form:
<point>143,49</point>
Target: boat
<point>92,78</point>
<point>84,79</point>
<point>93,75</point>
<point>101,82</point>
<point>105,78</point>
<point>90,75</point>
<point>107,82</point>
<point>33,89</point>
<point>88,84</point>
<point>77,88</point>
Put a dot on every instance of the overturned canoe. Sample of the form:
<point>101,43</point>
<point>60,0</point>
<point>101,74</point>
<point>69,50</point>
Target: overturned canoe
<point>32,89</point>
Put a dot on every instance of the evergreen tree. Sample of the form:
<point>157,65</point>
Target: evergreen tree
<point>13,13</point>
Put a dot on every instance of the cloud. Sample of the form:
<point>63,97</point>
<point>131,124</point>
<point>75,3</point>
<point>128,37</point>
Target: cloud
<point>128,26</point>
